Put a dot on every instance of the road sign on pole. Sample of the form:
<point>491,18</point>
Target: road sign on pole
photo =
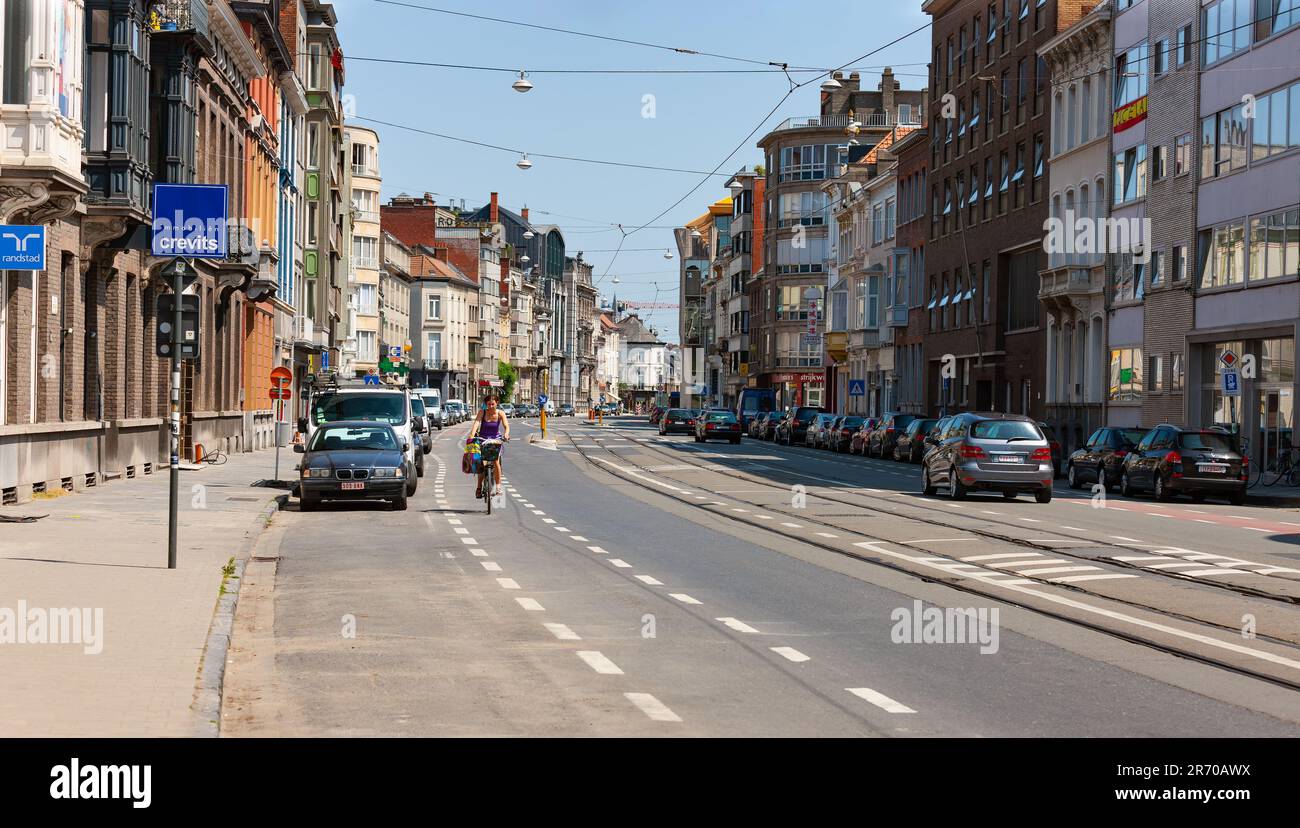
<point>857,388</point>
<point>1229,359</point>
<point>1231,384</point>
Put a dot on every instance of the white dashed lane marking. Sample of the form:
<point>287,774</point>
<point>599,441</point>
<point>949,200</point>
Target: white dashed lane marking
<point>683,597</point>
<point>530,604</point>
<point>508,583</point>
<point>652,707</point>
<point>790,653</point>
<point>491,566</point>
<point>621,564</point>
<point>880,700</point>
<point>646,579</point>
<point>736,624</point>
<point>598,662</point>
<point>562,632</point>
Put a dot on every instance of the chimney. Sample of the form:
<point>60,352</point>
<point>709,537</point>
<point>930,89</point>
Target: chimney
<point>428,198</point>
<point>524,213</point>
<point>495,215</point>
<point>887,87</point>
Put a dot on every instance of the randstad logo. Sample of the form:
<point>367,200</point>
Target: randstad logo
<point>77,781</point>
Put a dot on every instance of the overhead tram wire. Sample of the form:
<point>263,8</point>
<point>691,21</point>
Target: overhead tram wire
<point>626,41</point>
<point>515,151</point>
<point>793,87</point>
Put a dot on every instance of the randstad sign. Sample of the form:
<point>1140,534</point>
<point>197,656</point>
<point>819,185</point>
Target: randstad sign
<point>1130,114</point>
<point>189,220</point>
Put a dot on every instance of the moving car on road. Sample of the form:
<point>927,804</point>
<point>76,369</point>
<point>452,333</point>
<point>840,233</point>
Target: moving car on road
<point>910,445</point>
<point>793,426</point>
<point>566,410</point>
<point>677,420</point>
<point>717,425</point>
<point>989,451</point>
<point>1196,461</point>
<point>885,435</point>
<point>353,460</point>
<point>1101,459</point>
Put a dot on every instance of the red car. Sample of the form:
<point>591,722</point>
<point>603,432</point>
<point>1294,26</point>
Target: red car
<point>858,445</point>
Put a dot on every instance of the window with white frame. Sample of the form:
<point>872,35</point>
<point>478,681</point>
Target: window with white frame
<point>435,306</point>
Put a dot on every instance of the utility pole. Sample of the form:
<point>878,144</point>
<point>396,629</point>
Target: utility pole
<point>178,269</point>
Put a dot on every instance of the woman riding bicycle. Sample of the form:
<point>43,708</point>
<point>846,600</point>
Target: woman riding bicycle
<point>490,424</point>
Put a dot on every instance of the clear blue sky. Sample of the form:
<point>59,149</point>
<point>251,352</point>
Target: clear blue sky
<point>698,118</point>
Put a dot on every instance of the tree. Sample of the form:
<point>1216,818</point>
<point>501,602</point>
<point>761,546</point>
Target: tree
<point>508,377</point>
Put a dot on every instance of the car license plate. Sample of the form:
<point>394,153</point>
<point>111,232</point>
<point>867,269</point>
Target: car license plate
<point>349,486</point>
<point>1212,468</point>
<point>1007,458</point>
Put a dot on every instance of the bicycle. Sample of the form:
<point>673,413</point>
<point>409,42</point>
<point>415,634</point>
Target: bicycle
<point>489,453</point>
<point>1287,468</point>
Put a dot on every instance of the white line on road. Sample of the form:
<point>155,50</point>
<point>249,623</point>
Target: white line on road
<point>561,528</point>
<point>793,525</point>
<point>548,520</point>
<point>1073,528</point>
<point>621,564</point>
<point>531,604</point>
<point>652,707</point>
<point>598,550</point>
<point>469,541</point>
<point>454,521</point>
<point>460,530</point>
<point>579,539</point>
<point>1122,538</point>
<point>491,566</point>
<point>1070,579</point>
<point>936,540</point>
<point>827,534</point>
<point>789,652</point>
<point>1056,570</point>
<point>1002,555</point>
<point>562,632</point>
<point>538,512</point>
<point>646,579</point>
<point>507,583</point>
<point>879,700</point>
<point>736,624</point>
<point>683,597</point>
<point>478,553</point>
<point>596,661</point>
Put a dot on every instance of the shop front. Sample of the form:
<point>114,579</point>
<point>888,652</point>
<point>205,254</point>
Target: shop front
<point>1264,411</point>
<point>798,388</point>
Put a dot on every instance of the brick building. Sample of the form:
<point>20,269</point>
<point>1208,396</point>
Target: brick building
<point>990,129</point>
<point>913,154</point>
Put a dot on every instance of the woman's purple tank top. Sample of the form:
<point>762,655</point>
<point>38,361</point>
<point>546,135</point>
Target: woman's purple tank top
<point>490,429</point>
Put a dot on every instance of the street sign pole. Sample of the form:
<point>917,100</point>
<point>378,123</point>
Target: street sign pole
<point>174,483</point>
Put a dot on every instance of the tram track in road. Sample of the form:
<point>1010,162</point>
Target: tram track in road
<point>931,515</point>
<point>1010,591</point>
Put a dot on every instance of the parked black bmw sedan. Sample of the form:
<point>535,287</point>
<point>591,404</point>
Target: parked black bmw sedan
<point>353,460</point>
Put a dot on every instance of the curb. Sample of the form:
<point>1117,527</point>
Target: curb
<point>1280,502</point>
<point>206,707</point>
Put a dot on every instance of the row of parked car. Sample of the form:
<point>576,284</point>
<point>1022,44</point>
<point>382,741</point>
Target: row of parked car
<point>703,424</point>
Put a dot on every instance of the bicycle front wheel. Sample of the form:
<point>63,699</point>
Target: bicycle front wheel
<point>488,489</point>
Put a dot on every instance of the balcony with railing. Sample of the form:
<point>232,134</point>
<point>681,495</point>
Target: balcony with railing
<point>798,359</point>
<point>179,16</point>
<point>875,120</point>
<point>896,316</point>
<point>865,338</point>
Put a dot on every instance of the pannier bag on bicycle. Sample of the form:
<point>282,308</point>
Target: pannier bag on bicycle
<point>471,460</point>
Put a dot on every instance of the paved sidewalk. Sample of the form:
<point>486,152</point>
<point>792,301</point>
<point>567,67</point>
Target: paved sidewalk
<point>106,549</point>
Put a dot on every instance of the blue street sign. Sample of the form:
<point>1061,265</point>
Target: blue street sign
<point>22,247</point>
<point>541,399</point>
<point>324,359</point>
<point>857,388</point>
<point>1231,384</point>
<point>189,220</point>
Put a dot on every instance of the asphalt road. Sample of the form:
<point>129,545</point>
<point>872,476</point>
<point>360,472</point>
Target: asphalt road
<point>613,596</point>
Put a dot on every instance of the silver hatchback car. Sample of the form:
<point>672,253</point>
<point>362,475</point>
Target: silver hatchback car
<point>988,451</point>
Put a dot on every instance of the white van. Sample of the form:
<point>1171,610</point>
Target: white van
<point>433,406</point>
<point>367,402</point>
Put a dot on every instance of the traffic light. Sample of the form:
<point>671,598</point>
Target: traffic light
<point>166,317</point>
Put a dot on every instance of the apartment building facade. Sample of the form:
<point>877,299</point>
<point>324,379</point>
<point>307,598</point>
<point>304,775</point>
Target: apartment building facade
<point>990,128</point>
<point>1073,286</point>
<point>1247,264</point>
<point>364,302</point>
<point>913,154</point>
<point>800,154</point>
